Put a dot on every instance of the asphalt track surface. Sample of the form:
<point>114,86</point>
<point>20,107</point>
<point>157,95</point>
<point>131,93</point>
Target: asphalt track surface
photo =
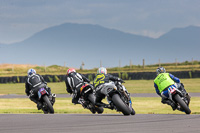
<point>106,123</point>
<point>67,95</point>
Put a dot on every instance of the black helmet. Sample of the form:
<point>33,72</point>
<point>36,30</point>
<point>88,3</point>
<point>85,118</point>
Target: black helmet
<point>160,70</point>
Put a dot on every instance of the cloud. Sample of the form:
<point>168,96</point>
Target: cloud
<point>151,18</point>
<point>151,34</point>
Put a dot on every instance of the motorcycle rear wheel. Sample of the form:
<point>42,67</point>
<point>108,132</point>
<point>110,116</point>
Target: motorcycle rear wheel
<point>91,97</point>
<point>183,105</point>
<point>121,106</point>
<point>49,105</point>
<point>99,110</point>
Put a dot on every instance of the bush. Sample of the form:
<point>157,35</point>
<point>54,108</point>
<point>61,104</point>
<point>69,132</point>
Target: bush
<point>8,69</point>
<point>195,63</point>
<point>186,63</point>
<point>90,77</point>
<point>56,79</point>
<point>119,75</point>
<point>190,74</point>
<point>125,76</point>
<point>18,80</point>
<point>50,79</point>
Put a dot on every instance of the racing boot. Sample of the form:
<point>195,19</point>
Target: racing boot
<point>39,105</point>
<point>173,105</point>
<point>169,102</point>
<point>101,104</point>
<point>106,105</point>
<point>111,106</point>
<point>75,100</point>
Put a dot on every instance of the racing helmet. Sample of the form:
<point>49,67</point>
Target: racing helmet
<point>102,70</point>
<point>31,72</point>
<point>70,70</point>
<point>160,70</point>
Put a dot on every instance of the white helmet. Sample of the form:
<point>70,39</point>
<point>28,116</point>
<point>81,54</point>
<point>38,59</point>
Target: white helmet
<point>102,70</point>
<point>31,71</point>
<point>160,70</point>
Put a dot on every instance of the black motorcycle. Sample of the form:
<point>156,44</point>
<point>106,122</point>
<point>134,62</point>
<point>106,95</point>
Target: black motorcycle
<point>87,99</point>
<point>118,97</point>
<point>178,95</point>
<point>43,97</point>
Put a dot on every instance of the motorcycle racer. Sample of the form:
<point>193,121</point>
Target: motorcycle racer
<point>74,81</point>
<point>162,82</point>
<point>33,83</point>
<point>101,78</point>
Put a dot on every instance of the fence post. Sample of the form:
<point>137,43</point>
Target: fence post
<point>143,63</point>
<point>130,64</point>
<point>82,65</point>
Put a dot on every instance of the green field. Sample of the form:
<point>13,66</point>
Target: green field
<point>63,105</point>
<point>142,105</point>
<point>133,86</point>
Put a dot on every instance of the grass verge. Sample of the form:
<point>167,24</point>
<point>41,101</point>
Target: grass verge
<point>63,105</point>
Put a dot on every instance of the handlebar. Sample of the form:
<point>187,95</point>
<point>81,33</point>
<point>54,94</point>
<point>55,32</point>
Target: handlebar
<point>123,81</point>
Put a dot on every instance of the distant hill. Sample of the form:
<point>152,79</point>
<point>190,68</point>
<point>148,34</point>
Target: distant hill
<point>74,43</point>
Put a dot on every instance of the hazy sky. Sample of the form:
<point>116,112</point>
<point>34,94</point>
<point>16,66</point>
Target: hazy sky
<point>19,19</point>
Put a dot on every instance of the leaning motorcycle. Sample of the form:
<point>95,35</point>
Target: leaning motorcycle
<point>180,97</point>
<point>43,97</point>
<point>118,97</point>
<point>87,99</point>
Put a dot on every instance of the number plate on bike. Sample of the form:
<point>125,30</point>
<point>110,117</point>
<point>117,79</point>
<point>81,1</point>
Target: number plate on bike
<point>172,90</point>
<point>42,91</point>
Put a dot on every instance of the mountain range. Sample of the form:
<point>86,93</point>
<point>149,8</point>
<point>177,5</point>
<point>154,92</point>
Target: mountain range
<point>73,44</point>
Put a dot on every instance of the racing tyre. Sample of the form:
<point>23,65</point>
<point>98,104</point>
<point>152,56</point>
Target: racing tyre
<point>91,97</point>
<point>121,106</point>
<point>49,105</point>
<point>183,105</point>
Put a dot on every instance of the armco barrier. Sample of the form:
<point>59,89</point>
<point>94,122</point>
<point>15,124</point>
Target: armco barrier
<point>131,76</point>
